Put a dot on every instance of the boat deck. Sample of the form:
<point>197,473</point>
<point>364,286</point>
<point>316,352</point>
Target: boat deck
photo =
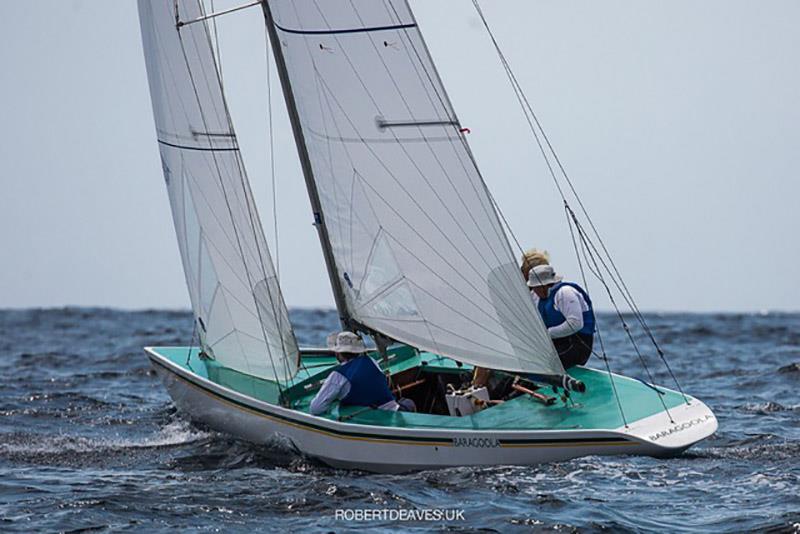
<point>595,409</point>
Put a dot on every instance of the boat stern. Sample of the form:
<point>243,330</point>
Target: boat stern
<point>671,432</point>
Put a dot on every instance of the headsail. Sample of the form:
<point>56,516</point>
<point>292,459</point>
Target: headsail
<point>418,248</point>
<point>238,307</point>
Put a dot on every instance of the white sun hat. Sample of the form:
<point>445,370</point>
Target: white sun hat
<point>348,342</point>
<point>543,275</point>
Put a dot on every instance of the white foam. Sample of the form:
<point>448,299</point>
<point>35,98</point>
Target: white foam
<point>177,432</point>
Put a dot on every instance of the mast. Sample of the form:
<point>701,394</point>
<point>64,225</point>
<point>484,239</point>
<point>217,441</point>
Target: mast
<point>308,173</point>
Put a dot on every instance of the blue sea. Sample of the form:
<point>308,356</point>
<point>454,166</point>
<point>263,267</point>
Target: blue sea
<point>90,441</point>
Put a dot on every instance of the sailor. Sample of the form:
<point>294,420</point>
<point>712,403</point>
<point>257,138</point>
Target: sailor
<point>567,313</point>
<point>533,257</point>
<point>358,381</point>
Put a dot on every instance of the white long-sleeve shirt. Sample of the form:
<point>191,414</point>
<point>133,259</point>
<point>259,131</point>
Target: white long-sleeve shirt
<point>335,388</point>
<point>571,304</point>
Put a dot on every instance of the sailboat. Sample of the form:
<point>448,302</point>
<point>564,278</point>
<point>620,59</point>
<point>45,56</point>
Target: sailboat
<point>415,249</point>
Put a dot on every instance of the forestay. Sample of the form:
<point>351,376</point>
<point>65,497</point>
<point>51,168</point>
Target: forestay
<point>418,246</point>
<point>239,310</point>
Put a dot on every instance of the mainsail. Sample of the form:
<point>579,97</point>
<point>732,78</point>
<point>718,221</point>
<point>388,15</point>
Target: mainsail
<point>416,244</point>
<point>238,307</point>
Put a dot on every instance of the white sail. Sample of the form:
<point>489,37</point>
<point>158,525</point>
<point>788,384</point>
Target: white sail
<point>419,249</point>
<point>240,313</point>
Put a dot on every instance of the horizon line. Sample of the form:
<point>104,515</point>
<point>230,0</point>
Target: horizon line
<point>332,309</point>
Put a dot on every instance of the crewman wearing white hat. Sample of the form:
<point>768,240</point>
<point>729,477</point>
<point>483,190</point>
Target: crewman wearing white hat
<point>358,381</point>
<point>567,312</point>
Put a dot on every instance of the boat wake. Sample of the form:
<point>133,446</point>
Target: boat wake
<point>220,452</point>
<point>766,408</point>
<point>71,449</point>
<point>764,447</point>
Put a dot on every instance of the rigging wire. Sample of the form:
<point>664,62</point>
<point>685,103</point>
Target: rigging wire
<point>603,356</point>
<point>273,181</point>
<point>530,116</point>
<point>540,135</point>
<point>588,244</point>
<point>273,178</point>
<point>436,83</point>
<point>438,161</point>
<point>518,312</point>
<point>505,222</point>
<point>587,253</point>
<point>408,223</point>
<point>216,41</point>
<point>217,166</point>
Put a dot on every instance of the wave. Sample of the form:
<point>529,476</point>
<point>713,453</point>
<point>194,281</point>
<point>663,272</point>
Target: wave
<point>20,446</point>
<point>791,368</point>
<point>765,447</point>
<point>769,407</point>
<point>178,445</point>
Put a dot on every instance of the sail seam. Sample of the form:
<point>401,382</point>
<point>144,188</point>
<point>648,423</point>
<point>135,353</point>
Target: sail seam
<point>523,318</point>
<point>447,105</point>
<point>521,331</point>
<point>519,327</point>
<point>526,311</point>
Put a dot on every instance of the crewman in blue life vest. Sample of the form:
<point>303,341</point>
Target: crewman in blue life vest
<point>567,313</point>
<point>358,381</point>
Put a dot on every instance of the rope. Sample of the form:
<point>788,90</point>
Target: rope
<point>191,344</point>
<point>548,151</point>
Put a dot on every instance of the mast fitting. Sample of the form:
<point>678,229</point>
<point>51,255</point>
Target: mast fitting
<point>383,123</point>
<point>180,23</point>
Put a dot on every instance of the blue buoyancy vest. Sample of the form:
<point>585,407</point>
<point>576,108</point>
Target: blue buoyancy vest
<point>553,317</point>
<point>368,385</point>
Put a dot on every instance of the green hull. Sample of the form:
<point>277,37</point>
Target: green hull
<point>596,409</point>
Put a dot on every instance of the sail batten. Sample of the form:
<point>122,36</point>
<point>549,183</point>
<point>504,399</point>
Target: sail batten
<point>239,310</point>
<point>334,31</point>
<point>416,246</point>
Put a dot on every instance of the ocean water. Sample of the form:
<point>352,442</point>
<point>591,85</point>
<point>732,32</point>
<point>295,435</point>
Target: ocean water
<point>89,441</point>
